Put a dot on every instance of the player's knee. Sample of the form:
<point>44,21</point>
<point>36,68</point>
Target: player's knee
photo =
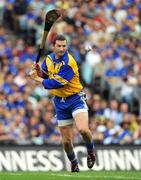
<point>83,131</point>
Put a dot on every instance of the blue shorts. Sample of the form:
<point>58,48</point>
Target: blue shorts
<point>66,108</point>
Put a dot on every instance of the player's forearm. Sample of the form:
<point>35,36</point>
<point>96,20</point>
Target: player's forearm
<point>51,84</point>
<point>47,83</point>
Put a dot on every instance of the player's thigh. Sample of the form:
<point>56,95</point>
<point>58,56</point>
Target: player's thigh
<point>66,132</point>
<point>81,120</point>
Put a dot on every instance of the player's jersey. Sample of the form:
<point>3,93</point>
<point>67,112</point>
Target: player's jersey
<point>63,76</point>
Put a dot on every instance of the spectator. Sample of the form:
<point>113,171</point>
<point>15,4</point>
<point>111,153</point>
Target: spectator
<point>137,133</point>
<point>137,91</point>
<point>111,133</point>
<point>92,58</point>
<point>112,112</point>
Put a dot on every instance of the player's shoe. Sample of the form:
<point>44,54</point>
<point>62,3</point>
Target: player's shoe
<point>74,167</point>
<point>91,158</point>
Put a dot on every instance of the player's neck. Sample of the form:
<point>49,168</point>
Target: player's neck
<point>56,56</point>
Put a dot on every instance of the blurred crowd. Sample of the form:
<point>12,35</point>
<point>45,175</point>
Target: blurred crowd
<point>104,37</point>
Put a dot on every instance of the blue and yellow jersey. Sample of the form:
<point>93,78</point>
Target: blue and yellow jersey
<point>62,75</point>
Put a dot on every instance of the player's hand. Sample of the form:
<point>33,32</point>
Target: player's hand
<point>36,67</point>
<point>33,74</point>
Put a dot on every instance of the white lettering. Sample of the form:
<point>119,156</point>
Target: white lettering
<point>99,165</point>
<point>106,159</point>
<point>132,160</point>
<point>42,157</point>
<point>31,160</point>
<point>18,160</point>
<point>117,159</point>
<point>83,161</point>
<point>5,161</point>
<point>139,156</point>
<point>54,158</point>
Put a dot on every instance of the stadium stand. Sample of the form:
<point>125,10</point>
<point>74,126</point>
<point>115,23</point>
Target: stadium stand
<point>110,70</point>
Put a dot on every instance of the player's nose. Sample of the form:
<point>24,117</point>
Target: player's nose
<point>61,48</point>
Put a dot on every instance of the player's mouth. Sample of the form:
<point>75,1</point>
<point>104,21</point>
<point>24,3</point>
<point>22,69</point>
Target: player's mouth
<point>61,52</point>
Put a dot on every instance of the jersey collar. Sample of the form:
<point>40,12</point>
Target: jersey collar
<point>52,55</point>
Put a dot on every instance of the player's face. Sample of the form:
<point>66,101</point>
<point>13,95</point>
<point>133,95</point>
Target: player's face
<point>60,48</point>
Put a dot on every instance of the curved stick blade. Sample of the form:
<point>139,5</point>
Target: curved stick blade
<point>51,17</point>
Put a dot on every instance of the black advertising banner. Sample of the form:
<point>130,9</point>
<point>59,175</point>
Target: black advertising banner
<point>53,158</point>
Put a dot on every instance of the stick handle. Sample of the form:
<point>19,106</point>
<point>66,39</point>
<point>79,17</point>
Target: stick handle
<point>43,39</point>
<point>41,46</point>
<point>39,55</point>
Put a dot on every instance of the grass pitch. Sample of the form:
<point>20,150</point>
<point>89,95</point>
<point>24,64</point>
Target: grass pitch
<point>85,175</point>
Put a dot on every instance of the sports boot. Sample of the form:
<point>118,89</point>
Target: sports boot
<point>91,158</point>
<point>74,167</point>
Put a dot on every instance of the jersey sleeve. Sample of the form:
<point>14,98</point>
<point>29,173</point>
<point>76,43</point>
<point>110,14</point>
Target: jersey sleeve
<point>44,70</point>
<point>64,75</point>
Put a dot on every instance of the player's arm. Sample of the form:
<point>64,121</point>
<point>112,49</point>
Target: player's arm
<point>59,80</point>
<point>64,75</point>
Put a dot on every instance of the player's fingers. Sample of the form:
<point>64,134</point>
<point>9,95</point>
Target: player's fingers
<point>32,74</point>
<point>35,66</point>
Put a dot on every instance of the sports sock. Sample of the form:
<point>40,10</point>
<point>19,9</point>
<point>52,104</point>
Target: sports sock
<point>90,147</point>
<point>72,157</point>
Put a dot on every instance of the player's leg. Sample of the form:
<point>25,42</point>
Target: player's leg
<point>81,120</point>
<point>66,133</point>
<point>65,123</point>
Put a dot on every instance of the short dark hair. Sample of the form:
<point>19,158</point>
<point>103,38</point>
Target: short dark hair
<point>59,37</point>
